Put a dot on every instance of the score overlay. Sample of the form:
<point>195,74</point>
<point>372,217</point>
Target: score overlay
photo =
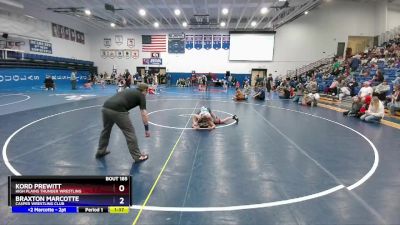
<point>69,194</point>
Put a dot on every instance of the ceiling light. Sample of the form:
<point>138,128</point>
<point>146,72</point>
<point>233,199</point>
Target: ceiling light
<point>142,12</point>
<point>223,24</point>
<point>225,11</point>
<point>184,24</point>
<point>87,12</point>
<point>254,23</point>
<point>264,10</point>
<point>306,12</point>
<point>177,12</point>
<point>156,24</point>
<point>282,0</point>
<point>112,24</point>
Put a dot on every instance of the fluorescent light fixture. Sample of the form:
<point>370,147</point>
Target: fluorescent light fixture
<point>177,12</point>
<point>142,12</point>
<point>156,24</point>
<point>264,10</point>
<point>223,24</point>
<point>184,24</point>
<point>112,24</point>
<point>87,12</point>
<point>225,11</point>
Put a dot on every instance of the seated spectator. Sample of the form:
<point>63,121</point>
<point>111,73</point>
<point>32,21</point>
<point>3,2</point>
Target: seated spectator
<point>239,95</point>
<point>283,90</point>
<point>88,84</point>
<point>355,107</point>
<point>366,90</point>
<point>381,90</point>
<point>375,112</point>
<point>365,105</point>
<point>394,104</point>
<point>247,89</point>
<point>260,95</point>
<point>49,83</point>
<point>298,98</point>
<point>310,99</point>
<point>352,85</point>
<point>378,78</point>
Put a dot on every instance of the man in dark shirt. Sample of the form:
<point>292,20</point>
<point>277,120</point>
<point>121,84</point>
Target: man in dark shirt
<point>116,110</point>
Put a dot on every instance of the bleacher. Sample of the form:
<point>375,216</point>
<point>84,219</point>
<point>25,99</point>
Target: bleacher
<point>13,55</point>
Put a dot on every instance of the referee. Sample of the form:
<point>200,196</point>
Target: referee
<point>116,111</point>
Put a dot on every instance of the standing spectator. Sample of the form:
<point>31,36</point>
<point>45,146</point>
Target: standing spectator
<point>73,79</point>
<point>355,63</point>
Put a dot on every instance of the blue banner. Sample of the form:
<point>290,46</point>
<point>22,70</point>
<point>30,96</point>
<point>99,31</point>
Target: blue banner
<point>207,41</point>
<point>152,61</point>
<point>226,42</point>
<point>40,46</point>
<point>217,39</point>
<point>189,41</point>
<point>198,42</point>
<point>30,78</point>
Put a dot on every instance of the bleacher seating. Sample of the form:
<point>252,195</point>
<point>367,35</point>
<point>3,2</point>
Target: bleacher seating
<point>17,55</point>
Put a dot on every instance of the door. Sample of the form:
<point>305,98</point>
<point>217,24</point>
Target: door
<point>140,71</point>
<point>261,73</point>
<point>340,49</point>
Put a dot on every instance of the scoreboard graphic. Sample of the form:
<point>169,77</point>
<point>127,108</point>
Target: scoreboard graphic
<point>71,194</point>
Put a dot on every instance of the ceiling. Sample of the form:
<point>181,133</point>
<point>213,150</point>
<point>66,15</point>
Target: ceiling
<point>199,14</point>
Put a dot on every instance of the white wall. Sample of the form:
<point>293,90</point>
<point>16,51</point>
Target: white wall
<point>393,19</point>
<point>297,43</point>
<point>381,16</point>
<point>20,25</point>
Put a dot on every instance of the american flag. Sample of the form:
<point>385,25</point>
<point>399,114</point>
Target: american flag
<point>154,43</point>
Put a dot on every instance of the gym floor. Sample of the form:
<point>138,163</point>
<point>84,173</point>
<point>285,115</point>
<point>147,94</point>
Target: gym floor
<point>281,164</point>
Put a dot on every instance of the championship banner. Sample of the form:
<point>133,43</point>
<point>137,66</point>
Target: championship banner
<point>120,54</point>
<point>119,39</point>
<point>152,61</point>
<point>207,40</point>
<point>127,54</point>
<point>135,54</point>
<point>107,42</point>
<point>73,35</point>
<point>40,46</point>
<point>130,42</point>
<point>103,53</point>
<point>111,54</point>
<point>226,42</point>
<point>176,43</point>
<point>217,39</point>
<point>198,42</point>
<point>189,41</point>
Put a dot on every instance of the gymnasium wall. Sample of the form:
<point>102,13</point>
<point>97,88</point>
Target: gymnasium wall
<point>22,28</point>
<point>393,18</point>
<point>300,42</point>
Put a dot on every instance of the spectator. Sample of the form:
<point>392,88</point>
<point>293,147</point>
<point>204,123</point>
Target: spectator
<point>366,90</point>
<point>381,90</point>
<point>365,105</point>
<point>260,95</point>
<point>355,107</point>
<point>49,83</point>
<point>239,95</point>
<point>73,80</point>
<point>299,93</point>
<point>375,112</point>
<point>394,104</point>
<point>355,63</point>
